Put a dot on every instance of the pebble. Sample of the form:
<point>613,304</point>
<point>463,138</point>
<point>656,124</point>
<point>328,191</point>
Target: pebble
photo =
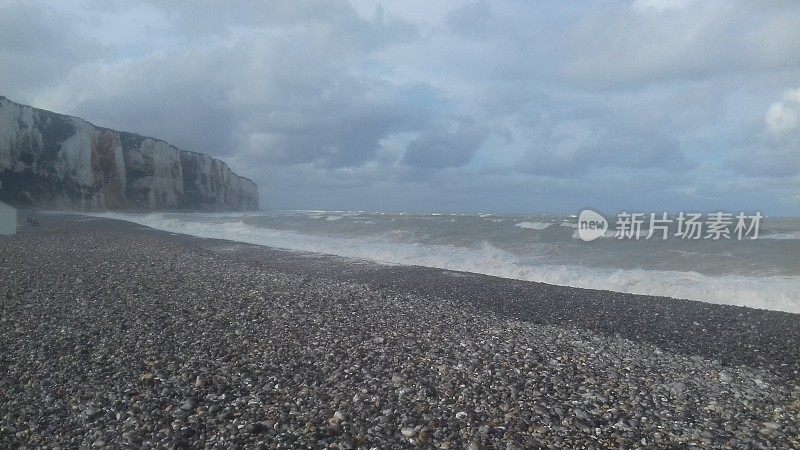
<point>172,342</point>
<point>189,405</point>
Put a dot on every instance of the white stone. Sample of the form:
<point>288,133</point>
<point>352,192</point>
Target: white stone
<point>408,432</point>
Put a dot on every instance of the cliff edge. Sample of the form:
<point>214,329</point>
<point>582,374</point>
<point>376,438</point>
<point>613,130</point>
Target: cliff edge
<point>56,161</point>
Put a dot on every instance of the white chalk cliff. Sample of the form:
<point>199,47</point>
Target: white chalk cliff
<point>59,161</point>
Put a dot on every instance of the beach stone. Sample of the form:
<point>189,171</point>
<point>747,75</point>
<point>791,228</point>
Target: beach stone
<point>408,432</point>
<point>189,405</point>
<point>178,342</point>
<point>339,416</point>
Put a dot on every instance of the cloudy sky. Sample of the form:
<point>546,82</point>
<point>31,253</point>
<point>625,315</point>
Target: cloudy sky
<point>512,106</point>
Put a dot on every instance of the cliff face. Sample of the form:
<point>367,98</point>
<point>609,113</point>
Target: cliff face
<point>58,161</point>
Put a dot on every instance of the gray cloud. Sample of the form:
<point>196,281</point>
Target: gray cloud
<point>650,41</point>
<point>439,148</point>
<point>329,105</point>
<point>772,149</point>
<point>37,48</point>
<point>623,151</point>
<point>471,19</point>
<point>284,93</point>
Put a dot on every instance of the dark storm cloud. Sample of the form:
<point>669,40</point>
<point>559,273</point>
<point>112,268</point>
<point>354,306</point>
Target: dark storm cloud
<point>285,93</point>
<point>341,128</point>
<point>635,152</point>
<point>440,148</point>
<point>630,151</point>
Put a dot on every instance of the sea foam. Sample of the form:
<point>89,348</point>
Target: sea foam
<point>768,292</point>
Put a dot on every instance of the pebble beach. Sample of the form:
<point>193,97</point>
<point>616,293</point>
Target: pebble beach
<point>113,335</point>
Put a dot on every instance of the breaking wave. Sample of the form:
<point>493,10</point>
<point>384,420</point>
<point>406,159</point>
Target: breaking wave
<point>768,292</point>
<point>533,225</point>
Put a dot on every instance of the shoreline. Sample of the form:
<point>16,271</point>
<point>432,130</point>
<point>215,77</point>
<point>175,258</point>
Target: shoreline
<point>162,339</point>
<point>710,283</point>
<point>727,328</point>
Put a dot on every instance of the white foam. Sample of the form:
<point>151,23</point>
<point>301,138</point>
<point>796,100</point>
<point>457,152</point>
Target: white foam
<point>773,292</point>
<point>533,225</point>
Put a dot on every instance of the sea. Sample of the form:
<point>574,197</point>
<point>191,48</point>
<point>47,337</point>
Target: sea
<point>759,273</point>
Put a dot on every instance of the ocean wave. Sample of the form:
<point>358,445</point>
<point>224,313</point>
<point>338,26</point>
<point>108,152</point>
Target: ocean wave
<point>533,225</point>
<point>769,292</point>
<point>793,236</point>
<point>608,234</point>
